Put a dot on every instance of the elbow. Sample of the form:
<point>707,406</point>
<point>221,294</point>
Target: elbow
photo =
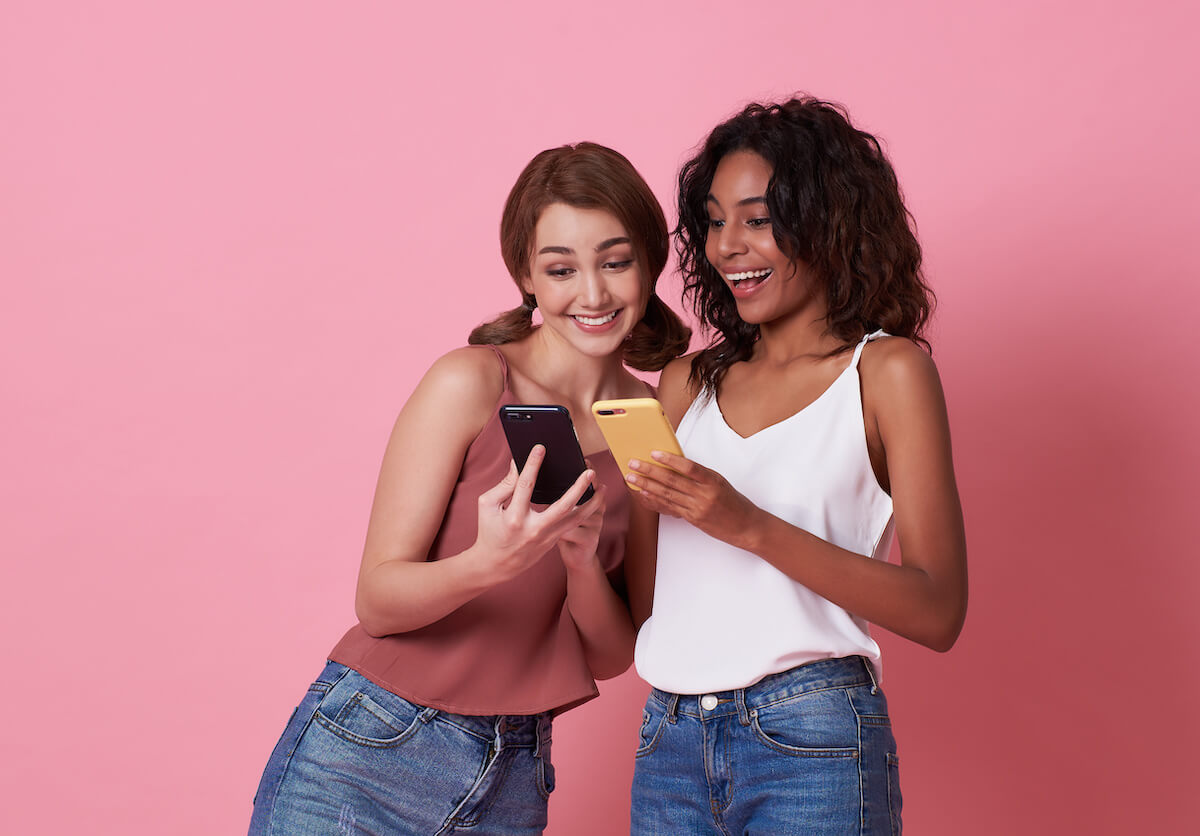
<point>611,668</point>
<point>370,618</point>
<point>943,632</point>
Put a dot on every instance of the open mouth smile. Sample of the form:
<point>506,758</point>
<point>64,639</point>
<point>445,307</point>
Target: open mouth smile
<point>596,321</point>
<point>748,279</point>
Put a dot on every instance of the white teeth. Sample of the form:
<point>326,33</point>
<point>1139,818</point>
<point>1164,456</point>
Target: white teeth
<point>596,320</point>
<point>749,274</point>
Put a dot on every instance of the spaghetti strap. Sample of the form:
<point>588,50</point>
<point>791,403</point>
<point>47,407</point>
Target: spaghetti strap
<point>503,366</point>
<point>858,348</point>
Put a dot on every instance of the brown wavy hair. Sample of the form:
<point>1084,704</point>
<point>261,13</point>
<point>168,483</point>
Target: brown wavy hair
<point>834,203</point>
<point>589,176</point>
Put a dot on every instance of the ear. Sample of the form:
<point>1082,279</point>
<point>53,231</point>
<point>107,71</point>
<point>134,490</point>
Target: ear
<point>526,284</point>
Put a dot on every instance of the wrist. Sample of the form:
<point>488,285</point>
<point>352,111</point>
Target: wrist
<point>481,570</point>
<point>751,534</point>
<point>589,565</point>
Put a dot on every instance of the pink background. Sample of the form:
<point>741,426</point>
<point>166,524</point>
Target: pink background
<point>233,236</point>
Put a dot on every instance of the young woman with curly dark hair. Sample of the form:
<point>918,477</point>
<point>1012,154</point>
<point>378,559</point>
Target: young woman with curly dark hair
<point>814,428</point>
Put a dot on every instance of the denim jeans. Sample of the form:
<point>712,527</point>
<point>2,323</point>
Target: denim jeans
<point>356,758</point>
<point>807,751</point>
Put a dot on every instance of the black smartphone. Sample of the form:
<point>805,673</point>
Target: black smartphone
<point>550,426</point>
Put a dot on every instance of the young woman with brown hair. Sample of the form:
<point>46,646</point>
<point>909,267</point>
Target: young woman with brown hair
<point>480,615</point>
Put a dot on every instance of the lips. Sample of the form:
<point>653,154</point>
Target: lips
<point>747,280</point>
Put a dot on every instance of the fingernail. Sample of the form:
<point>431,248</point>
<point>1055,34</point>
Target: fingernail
<point>656,454</point>
<point>635,464</point>
<point>631,479</point>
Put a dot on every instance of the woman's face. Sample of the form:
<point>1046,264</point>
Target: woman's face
<point>765,283</point>
<point>585,274</point>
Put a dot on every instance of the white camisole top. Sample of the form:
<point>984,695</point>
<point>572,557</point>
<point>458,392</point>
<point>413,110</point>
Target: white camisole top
<point>724,618</point>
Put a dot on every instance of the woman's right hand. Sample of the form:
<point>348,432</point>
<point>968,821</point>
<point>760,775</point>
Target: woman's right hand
<point>512,535</point>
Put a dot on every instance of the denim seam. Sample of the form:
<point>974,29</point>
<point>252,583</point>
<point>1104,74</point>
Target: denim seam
<point>642,751</point>
<point>841,686</point>
<point>862,797</point>
<point>503,757</point>
<point>287,764</point>
<point>892,761</point>
<point>370,742</point>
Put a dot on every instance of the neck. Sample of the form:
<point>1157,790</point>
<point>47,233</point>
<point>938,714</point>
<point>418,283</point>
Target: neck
<point>802,334</point>
<point>576,379</point>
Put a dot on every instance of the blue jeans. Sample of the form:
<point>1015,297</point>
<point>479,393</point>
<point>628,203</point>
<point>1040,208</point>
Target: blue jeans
<point>356,758</point>
<point>807,751</point>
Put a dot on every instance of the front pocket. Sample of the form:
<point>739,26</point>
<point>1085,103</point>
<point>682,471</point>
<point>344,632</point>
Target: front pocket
<point>545,778</point>
<point>650,732</point>
<point>364,721</point>
<point>820,724</point>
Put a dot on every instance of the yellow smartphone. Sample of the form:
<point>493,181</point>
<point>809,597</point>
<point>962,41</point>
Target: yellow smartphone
<point>633,427</point>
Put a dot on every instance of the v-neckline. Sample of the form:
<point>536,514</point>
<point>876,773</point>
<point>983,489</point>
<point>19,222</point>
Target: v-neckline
<point>785,419</point>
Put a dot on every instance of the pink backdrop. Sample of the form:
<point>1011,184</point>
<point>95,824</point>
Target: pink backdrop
<point>233,236</point>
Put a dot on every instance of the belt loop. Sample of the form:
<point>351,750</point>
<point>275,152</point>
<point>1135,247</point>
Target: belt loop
<point>739,699</point>
<point>871,673</point>
<point>542,748</point>
<point>672,708</point>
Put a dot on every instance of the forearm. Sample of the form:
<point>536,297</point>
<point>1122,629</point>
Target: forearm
<point>909,601</point>
<point>602,620</point>
<point>401,595</point>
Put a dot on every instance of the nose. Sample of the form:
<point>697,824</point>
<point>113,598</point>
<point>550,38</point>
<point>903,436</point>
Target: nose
<point>593,290</point>
<point>730,240</point>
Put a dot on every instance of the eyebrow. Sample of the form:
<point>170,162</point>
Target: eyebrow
<point>601,247</point>
<point>746,201</point>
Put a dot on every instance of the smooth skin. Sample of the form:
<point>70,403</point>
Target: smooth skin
<point>583,266</point>
<point>924,598</point>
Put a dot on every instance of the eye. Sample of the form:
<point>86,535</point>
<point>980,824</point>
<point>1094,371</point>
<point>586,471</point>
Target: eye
<point>559,272</point>
<point>758,222</point>
<point>617,266</point>
<point>713,223</point>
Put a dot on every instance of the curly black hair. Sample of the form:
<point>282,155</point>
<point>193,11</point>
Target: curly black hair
<point>835,204</point>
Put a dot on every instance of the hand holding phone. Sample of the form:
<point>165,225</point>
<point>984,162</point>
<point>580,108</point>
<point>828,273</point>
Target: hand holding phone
<point>633,427</point>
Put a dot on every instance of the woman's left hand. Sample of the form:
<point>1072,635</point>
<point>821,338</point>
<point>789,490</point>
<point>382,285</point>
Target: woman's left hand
<point>681,488</point>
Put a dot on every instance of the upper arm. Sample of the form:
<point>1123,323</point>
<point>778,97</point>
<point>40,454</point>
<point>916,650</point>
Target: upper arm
<point>903,395</point>
<point>641,545</point>
<point>675,393</point>
<point>448,409</point>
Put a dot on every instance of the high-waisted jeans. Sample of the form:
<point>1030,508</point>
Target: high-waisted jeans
<point>356,758</point>
<point>807,751</point>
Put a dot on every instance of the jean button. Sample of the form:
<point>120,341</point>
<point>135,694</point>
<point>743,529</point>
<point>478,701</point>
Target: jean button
<point>708,702</point>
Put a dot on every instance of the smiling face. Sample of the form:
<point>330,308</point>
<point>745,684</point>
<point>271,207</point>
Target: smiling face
<point>586,277</point>
<point>766,284</point>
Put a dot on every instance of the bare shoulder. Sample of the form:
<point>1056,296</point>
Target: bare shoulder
<point>460,389</point>
<point>901,392</point>
<point>675,390</point>
<point>893,366</point>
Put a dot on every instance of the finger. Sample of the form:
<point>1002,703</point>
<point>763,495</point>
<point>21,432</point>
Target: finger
<point>528,477</point>
<point>499,493</point>
<point>657,489</point>
<point>677,463</point>
<point>641,473</point>
<point>656,504</point>
<point>569,500</point>
<point>661,475</point>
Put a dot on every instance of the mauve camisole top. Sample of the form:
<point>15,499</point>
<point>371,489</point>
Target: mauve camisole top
<point>514,648</point>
